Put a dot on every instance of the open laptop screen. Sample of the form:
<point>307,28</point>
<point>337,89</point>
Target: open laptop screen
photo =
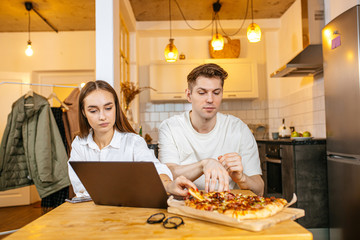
<point>130,184</point>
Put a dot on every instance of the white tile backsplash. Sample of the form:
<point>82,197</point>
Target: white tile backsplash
<point>273,113</point>
<point>179,107</point>
<point>260,114</point>
<point>153,114</point>
<point>163,116</point>
<point>149,107</point>
<point>169,107</point>
<point>250,114</point>
<point>154,117</point>
<point>159,107</point>
<point>304,109</point>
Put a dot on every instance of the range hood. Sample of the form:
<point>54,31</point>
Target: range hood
<point>309,61</point>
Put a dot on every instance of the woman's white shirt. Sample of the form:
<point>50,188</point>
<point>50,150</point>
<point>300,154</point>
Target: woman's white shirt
<point>123,147</point>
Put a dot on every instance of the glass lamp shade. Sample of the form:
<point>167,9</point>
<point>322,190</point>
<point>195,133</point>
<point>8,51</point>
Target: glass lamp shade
<point>171,52</point>
<point>29,52</point>
<point>217,42</point>
<point>254,33</point>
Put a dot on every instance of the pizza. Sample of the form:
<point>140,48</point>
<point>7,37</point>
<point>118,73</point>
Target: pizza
<point>237,206</point>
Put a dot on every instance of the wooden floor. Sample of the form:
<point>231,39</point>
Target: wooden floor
<point>16,217</point>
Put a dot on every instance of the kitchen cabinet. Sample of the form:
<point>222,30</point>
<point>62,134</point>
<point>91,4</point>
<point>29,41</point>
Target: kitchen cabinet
<point>242,81</point>
<point>297,167</point>
<point>170,79</point>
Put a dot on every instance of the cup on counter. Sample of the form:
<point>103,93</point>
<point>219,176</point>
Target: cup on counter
<point>275,135</point>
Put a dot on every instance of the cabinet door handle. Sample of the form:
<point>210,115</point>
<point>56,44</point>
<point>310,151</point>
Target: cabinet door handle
<point>273,160</point>
<point>177,96</point>
<point>231,95</point>
<point>269,156</point>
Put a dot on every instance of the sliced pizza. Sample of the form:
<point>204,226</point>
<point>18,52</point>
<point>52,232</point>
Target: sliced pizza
<point>235,205</point>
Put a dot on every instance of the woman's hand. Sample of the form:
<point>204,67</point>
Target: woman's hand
<point>179,186</point>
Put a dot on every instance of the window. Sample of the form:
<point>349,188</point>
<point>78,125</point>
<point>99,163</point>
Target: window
<point>124,55</point>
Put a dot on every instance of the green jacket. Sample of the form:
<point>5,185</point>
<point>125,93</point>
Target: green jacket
<point>32,151</point>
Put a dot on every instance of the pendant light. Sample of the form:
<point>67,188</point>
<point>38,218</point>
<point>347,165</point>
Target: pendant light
<point>171,52</point>
<point>29,52</point>
<point>217,41</point>
<point>253,31</point>
<point>29,7</point>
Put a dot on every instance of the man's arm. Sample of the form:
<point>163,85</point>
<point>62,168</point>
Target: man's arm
<point>190,171</point>
<point>254,183</point>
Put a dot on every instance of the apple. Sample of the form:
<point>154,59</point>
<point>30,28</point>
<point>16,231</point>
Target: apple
<point>294,134</point>
<point>306,134</point>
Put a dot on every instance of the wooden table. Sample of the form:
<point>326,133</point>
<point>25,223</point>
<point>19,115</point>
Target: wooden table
<point>89,221</point>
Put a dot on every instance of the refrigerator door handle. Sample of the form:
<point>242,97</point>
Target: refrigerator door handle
<point>341,156</point>
<point>340,159</point>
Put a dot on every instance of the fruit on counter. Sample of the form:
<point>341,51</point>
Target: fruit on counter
<point>306,134</point>
<point>295,134</point>
<point>299,134</point>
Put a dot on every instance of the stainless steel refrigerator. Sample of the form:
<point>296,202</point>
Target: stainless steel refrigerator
<point>341,41</point>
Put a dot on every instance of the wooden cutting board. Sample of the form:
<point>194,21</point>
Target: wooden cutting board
<point>178,207</point>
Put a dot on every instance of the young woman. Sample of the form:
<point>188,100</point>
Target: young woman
<point>106,135</point>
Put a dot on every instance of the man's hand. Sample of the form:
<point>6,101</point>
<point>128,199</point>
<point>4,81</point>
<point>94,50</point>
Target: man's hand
<point>178,186</point>
<point>233,165</point>
<point>214,172</point>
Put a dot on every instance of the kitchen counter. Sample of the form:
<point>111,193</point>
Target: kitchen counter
<point>89,221</point>
<point>289,141</point>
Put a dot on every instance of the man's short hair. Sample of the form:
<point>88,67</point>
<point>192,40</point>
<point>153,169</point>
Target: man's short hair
<point>209,70</point>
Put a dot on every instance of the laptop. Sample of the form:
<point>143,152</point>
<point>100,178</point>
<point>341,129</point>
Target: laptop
<point>128,184</point>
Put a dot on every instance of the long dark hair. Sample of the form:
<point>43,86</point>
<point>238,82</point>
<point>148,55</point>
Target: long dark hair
<point>121,122</point>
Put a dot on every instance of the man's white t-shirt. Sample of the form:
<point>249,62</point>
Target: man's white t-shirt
<point>123,147</point>
<point>180,143</point>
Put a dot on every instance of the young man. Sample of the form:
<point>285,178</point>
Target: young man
<point>206,146</point>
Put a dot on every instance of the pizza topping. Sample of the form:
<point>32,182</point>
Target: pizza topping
<point>235,205</point>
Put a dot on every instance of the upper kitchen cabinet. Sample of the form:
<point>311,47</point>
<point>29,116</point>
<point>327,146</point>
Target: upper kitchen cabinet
<point>170,79</point>
<point>242,81</point>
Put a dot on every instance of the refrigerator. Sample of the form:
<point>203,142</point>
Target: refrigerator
<point>342,106</point>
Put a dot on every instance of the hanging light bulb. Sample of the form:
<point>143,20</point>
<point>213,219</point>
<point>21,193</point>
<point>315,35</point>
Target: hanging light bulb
<point>253,30</point>
<point>254,33</point>
<point>171,52</point>
<point>217,42</point>
<point>29,52</point>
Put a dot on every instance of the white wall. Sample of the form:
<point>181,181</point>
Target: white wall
<point>64,51</point>
<point>52,51</point>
